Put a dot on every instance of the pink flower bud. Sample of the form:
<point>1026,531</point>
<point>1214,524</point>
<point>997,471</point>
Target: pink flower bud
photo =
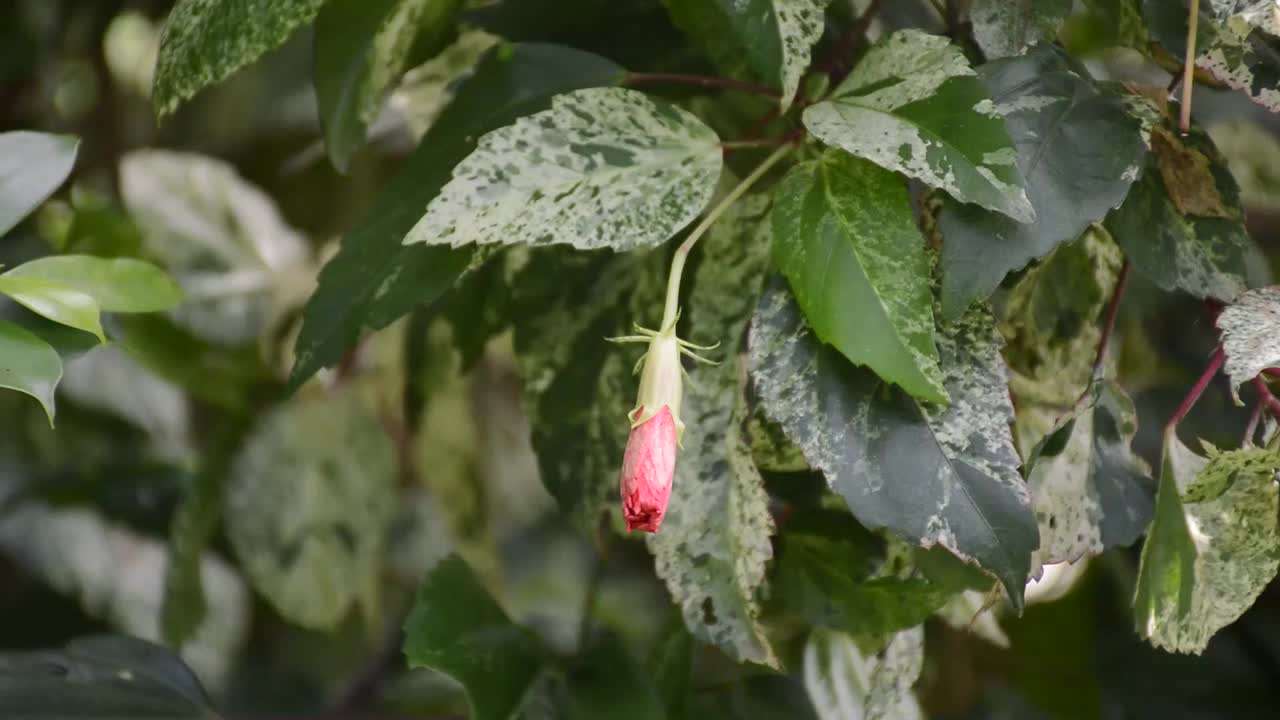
<point>648,467</point>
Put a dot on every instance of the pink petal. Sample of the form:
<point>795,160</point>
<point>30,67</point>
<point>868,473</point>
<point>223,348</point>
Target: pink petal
<point>648,467</point>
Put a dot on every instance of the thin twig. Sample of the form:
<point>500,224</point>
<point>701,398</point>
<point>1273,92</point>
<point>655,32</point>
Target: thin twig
<point>1215,363</point>
<point>1109,325</point>
<point>1189,68</point>
<point>705,81</point>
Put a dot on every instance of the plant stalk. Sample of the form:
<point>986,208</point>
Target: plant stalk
<point>1215,363</point>
<point>1189,68</point>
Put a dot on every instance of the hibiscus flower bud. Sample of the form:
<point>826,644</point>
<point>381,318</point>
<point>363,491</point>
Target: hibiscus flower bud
<point>649,464</point>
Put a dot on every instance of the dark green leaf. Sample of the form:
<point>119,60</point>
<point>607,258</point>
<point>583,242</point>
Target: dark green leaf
<point>456,628</point>
<point>609,683</point>
<point>204,42</point>
<point>846,238</point>
<point>1003,28</point>
<point>671,665</point>
<point>374,279</point>
<point>1079,151</point>
<point>28,364</point>
<point>930,475</point>
<point>32,166</point>
<point>119,285</point>
<point>913,105</point>
<point>362,47</point>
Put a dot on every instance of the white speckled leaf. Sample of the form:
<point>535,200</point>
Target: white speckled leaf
<point>913,105</point>
<point>931,475</point>
<point>1088,489</point>
<point>1213,546</point>
<point>204,41</point>
<point>845,683</point>
<point>1250,330</point>
<point>846,238</point>
<point>603,168</point>
<point>714,546</point>
<point>1003,28</point>
<point>1245,54</point>
<point>309,499</point>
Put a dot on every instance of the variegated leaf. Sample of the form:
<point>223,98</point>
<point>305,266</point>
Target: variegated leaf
<point>913,105</point>
<point>603,168</point>
<point>1250,330</point>
<point>1003,28</point>
<point>846,683</point>
<point>1245,50</point>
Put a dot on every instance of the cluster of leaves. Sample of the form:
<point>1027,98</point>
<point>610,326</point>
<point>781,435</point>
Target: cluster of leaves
<point>914,288</point>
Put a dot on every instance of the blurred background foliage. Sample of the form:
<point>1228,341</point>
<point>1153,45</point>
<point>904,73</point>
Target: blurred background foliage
<point>338,499</point>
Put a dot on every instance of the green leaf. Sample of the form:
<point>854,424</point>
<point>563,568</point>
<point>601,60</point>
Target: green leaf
<point>773,37</point>
<point>604,167</point>
<point>32,166</point>
<point>609,683</point>
<point>844,681</point>
<point>1213,545</point>
<point>361,50</point>
<point>456,628</point>
<point>308,503</point>
<point>1253,156</point>
<point>1245,51</point>
<point>930,475</point>
<point>714,547</point>
<point>913,105</point>
<point>102,678</point>
<point>1250,338</point>
<point>374,279</point>
<point>1088,489</point>
<point>1079,151</point>
<point>1203,256</point>
<point>1004,28</point>
<point>29,365</point>
<point>847,240</point>
<point>205,41</point>
<point>427,89</point>
<point>224,241</point>
<point>117,285</point>
<point>55,301</point>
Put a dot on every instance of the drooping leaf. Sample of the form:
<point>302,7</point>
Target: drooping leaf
<point>603,168</point>
<point>32,166</point>
<point>714,547</point>
<point>204,41</point>
<point>1004,28</point>
<point>374,279</point>
<point>913,105</point>
<point>308,501</point>
<point>1088,489</point>
<point>362,48</point>
<point>102,678</point>
<point>928,474</point>
<point>117,285</point>
<point>846,238</point>
<point>1079,151</point>
<point>1213,545</point>
<point>773,38</point>
<point>456,628</point>
<point>29,365</point>
<point>224,241</point>
<point>845,682</point>
<point>58,302</point>
<point>1249,335</point>
<point>609,683</point>
<point>1203,256</point>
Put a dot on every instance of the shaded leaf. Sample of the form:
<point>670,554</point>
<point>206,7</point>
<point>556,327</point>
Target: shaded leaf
<point>847,683</point>
<point>609,683</point>
<point>426,90</point>
<point>714,546</point>
<point>55,301</point>
<point>1213,545</point>
<point>204,41</point>
<point>456,628</point>
<point>117,285</point>
<point>1079,151</point>
<point>604,167</point>
<point>913,105</point>
<point>32,166</point>
<point>1003,28</point>
<point>374,279</point>
<point>846,238</point>
<point>928,474</point>
<point>308,502</point>
<point>1250,330</point>
<point>29,365</point>
<point>362,48</point>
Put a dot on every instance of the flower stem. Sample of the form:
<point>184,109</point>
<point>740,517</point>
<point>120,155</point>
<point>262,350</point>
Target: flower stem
<point>682,252</point>
<point>1189,67</point>
<point>1196,390</point>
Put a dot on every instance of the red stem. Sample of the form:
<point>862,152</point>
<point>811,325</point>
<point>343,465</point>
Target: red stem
<point>1109,326</point>
<point>1254,416</point>
<point>1215,363</point>
<point>1265,397</point>
<point>706,81</point>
